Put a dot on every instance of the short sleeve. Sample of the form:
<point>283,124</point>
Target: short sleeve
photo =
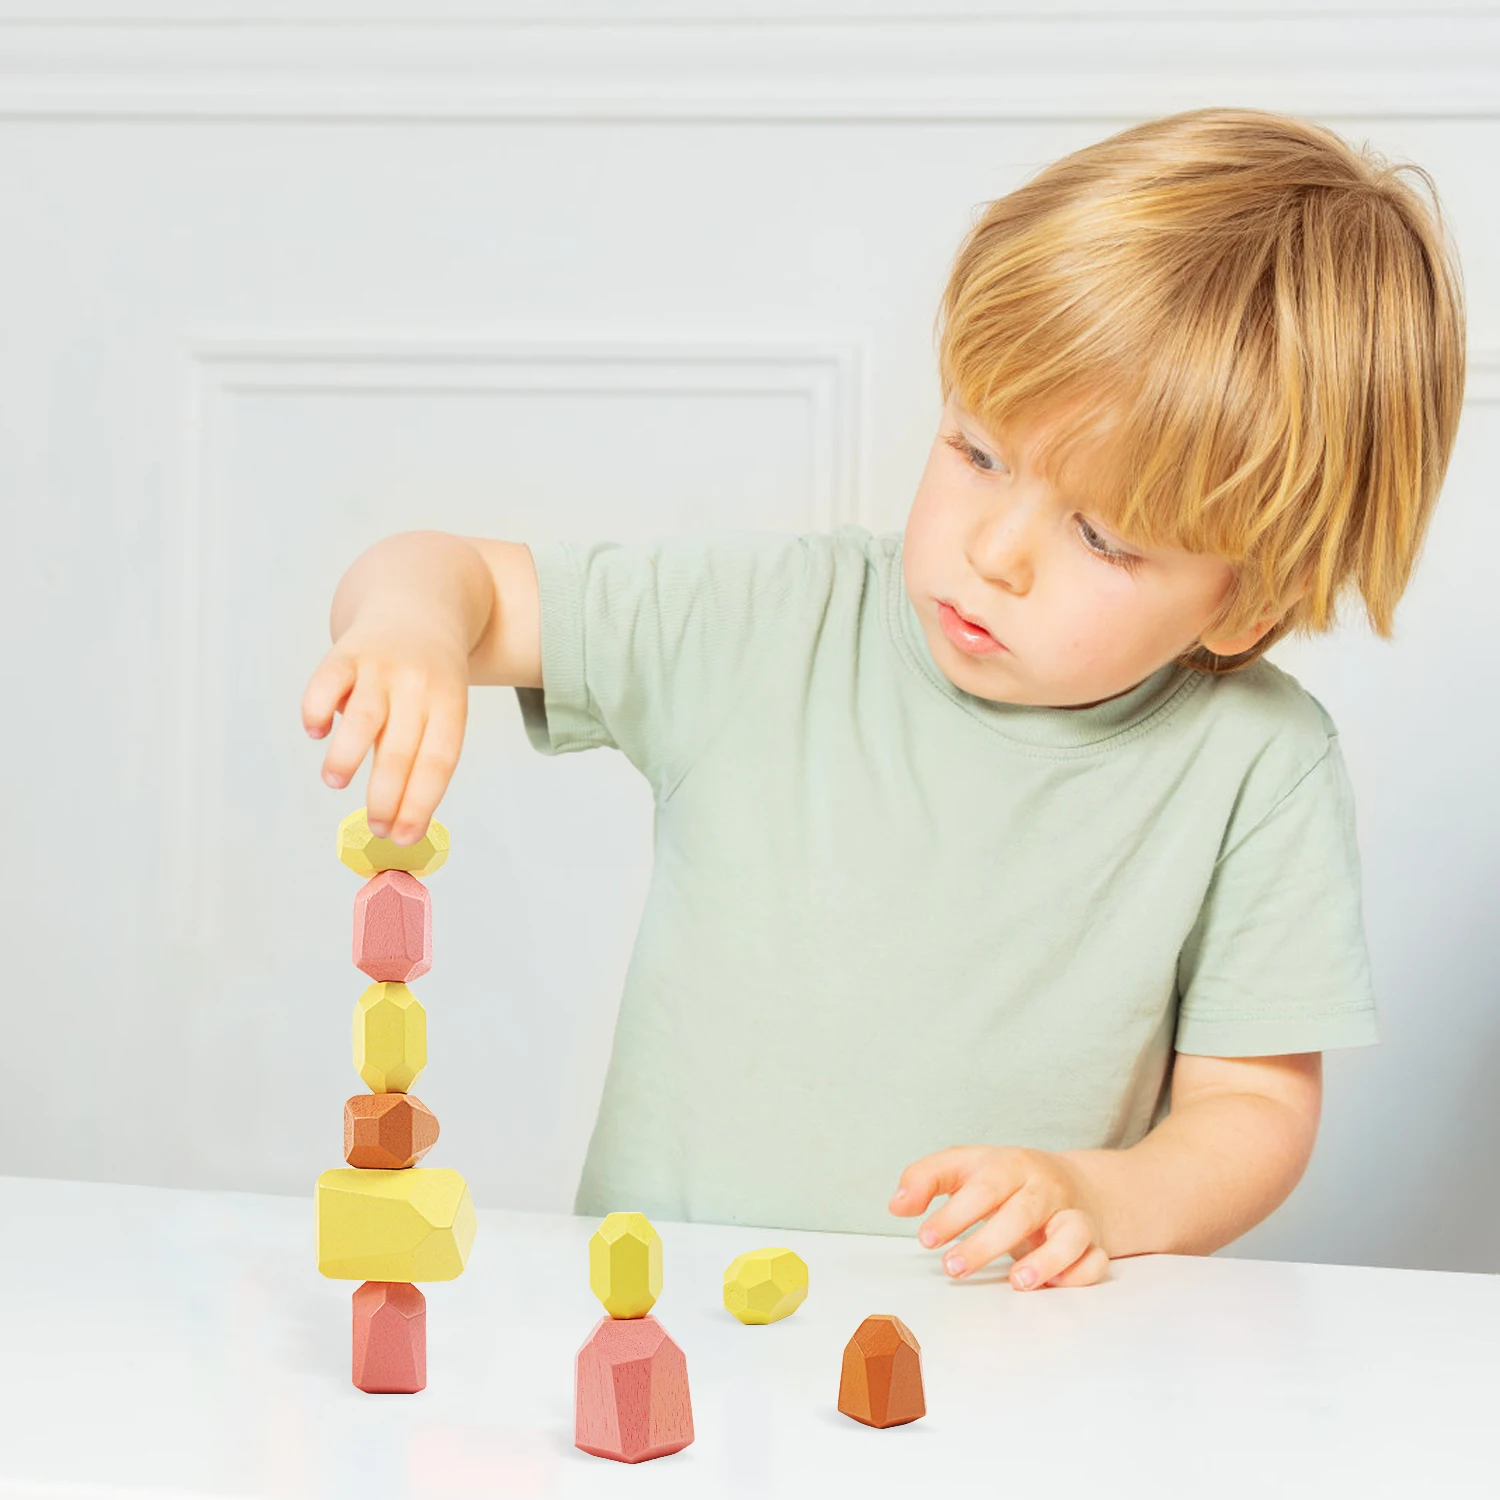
<point>1276,962</point>
<point>648,648</point>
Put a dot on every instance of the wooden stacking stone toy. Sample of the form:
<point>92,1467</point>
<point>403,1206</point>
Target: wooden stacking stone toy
<point>764,1286</point>
<point>881,1382</point>
<point>383,1220</point>
<point>631,1398</point>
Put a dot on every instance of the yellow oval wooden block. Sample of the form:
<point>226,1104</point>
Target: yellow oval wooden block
<point>367,855</point>
<point>625,1265</point>
<point>762,1286</point>
<point>413,1224</point>
<point>390,1041</point>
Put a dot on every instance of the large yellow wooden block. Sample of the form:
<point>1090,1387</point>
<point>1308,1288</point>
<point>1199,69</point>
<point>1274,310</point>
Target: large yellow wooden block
<point>625,1265</point>
<point>762,1286</point>
<point>390,1043</point>
<point>414,1224</point>
<point>367,855</point>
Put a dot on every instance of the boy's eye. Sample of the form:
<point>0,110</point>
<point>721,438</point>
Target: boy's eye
<point>1096,544</point>
<point>977,457</point>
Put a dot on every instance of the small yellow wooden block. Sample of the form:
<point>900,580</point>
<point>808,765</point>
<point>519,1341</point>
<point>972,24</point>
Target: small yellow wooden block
<point>390,1040</point>
<point>415,1224</point>
<point>367,855</point>
<point>625,1265</point>
<point>763,1286</point>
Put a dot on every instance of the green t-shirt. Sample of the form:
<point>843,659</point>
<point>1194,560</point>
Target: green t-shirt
<point>886,916</point>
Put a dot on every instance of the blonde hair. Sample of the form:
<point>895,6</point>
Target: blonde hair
<point>1256,330</point>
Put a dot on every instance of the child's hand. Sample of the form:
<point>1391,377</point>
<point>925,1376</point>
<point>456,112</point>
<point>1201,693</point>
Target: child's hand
<point>406,691</point>
<point>1038,1206</point>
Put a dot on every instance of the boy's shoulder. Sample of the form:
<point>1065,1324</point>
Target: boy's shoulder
<point>1270,733</point>
<point>1264,698</point>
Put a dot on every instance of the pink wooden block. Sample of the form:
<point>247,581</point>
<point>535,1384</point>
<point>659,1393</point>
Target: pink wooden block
<point>390,1337</point>
<point>393,927</point>
<point>631,1392</point>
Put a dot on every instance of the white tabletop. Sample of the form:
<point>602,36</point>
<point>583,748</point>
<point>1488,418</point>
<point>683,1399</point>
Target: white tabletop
<point>160,1342</point>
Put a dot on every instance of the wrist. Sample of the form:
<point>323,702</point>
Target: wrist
<point>1105,1178</point>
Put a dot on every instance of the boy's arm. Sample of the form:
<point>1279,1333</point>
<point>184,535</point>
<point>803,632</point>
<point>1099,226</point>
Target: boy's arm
<point>508,652</point>
<point>480,594</point>
<point>1239,1135</point>
<point>1237,1140</point>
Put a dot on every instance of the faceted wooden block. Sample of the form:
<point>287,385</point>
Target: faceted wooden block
<point>631,1398</point>
<point>411,1225</point>
<point>390,1037</point>
<point>387,1130</point>
<point>763,1286</point>
<point>625,1265</point>
<point>367,855</point>
<point>393,927</point>
<point>390,1337</point>
<point>881,1383</point>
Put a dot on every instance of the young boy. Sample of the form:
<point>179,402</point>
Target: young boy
<point>993,851</point>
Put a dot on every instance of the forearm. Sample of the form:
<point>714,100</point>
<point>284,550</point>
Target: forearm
<point>430,577</point>
<point>1211,1170</point>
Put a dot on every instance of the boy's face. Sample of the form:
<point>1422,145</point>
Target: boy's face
<point>1017,597</point>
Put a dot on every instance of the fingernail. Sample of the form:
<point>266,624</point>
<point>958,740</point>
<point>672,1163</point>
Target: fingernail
<point>898,1195</point>
<point>927,1237</point>
<point>1024,1277</point>
<point>955,1266</point>
<point>333,778</point>
<point>380,829</point>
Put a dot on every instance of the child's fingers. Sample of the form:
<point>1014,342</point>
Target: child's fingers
<point>974,1201</point>
<point>326,689</point>
<point>1025,1206</point>
<point>363,718</point>
<point>1091,1267</point>
<point>993,1239</point>
<point>395,750</point>
<point>932,1176</point>
<point>433,767</point>
<point>1068,1237</point>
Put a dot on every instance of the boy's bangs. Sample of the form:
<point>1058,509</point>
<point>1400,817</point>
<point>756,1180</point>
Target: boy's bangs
<point>1174,433</point>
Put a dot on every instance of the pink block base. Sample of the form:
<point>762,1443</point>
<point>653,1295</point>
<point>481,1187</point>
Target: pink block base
<point>390,1338</point>
<point>631,1392</point>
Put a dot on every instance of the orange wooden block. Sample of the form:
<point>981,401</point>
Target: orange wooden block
<point>881,1383</point>
<point>387,1130</point>
<point>390,1338</point>
<point>393,927</point>
<point>631,1392</point>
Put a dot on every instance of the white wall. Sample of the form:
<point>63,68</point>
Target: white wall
<point>279,288</point>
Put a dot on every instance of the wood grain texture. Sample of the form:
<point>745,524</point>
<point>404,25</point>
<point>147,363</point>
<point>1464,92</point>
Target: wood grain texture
<point>390,1038</point>
<point>393,927</point>
<point>390,1338</point>
<point>367,855</point>
<point>625,1265</point>
<point>391,1131</point>
<point>764,1286</point>
<point>631,1392</point>
<point>881,1382</point>
<point>412,1225</point>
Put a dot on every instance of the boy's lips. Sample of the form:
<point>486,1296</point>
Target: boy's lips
<point>968,635</point>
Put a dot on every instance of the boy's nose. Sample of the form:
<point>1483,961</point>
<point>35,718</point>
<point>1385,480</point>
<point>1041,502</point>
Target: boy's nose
<point>1003,548</point>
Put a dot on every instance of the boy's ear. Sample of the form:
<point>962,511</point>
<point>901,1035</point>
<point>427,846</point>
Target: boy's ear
<point>1233,645</point>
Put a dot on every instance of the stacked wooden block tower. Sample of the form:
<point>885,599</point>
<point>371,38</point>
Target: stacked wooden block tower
<point>631,1396</point>
<point>383,1220</point>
